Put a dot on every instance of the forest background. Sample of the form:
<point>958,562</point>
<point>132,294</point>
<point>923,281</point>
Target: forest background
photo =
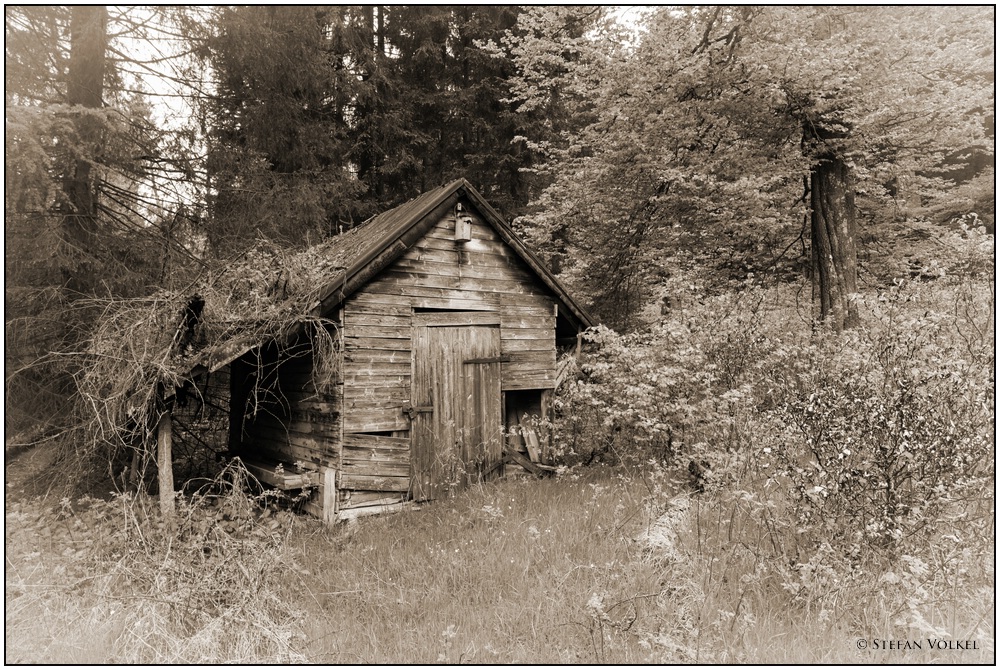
<point>783,216</point>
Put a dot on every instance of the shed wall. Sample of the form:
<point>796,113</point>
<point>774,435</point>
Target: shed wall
<point>437,273</point>
<point>201,424</point>
<point>482,274</point>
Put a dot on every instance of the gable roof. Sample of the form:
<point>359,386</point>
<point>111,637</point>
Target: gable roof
<point>351,259</point>
<point>364,251</point>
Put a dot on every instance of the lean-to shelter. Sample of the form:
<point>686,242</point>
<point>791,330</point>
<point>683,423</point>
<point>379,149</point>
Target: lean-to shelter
<point>441,338</point>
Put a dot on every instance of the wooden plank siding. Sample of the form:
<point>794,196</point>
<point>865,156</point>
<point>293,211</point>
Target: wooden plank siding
<point>440,273</point>
<point>376,455</point>
<point>436,273</point>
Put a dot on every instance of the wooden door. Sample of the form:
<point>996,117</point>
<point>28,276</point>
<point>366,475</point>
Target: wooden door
<point>456,416</point>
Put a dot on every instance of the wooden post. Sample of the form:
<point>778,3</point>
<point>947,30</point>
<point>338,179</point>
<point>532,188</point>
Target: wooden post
<point>546,402</point>
<point>165,466</point>
<point>330,495</point>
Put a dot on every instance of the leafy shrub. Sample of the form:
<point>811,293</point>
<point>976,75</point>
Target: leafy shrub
<point>630,399</point>
<point>882,429</point>
<point>835,468</point>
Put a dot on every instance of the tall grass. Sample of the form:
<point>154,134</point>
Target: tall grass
<point>518,571</point>
<point>596,566</point>
<point>108,581</point>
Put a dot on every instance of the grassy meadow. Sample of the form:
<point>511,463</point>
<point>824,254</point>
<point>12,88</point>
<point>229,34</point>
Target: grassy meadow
<point>574,569</point>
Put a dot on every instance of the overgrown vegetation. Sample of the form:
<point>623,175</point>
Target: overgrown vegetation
<point>842,491</point>
<point>108,581</point>
<point>740,482</point>
<point>848,479</point>
<point>144,346</point>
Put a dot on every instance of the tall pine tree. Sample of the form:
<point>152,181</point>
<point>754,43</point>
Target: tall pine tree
<point>326,116</point>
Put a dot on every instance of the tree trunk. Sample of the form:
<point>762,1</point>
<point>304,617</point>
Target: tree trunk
<point>834,242</point>
<point>380,37</point>
<point>84,88</point>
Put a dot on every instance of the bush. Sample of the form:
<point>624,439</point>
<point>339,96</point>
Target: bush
<point>882,429</point>
<point>847,473</point>
<point>631,397</point>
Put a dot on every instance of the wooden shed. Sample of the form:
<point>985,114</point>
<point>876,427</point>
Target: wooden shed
<point>445,332</point>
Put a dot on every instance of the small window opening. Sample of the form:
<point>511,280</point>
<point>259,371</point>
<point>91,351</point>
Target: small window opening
<point>525,423</point>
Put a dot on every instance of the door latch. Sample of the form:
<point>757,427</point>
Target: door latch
<point>412,411</point>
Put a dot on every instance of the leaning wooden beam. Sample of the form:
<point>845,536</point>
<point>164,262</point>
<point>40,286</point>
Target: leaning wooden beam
<point>531,442</point>
<point>278,478</point>
<point>165,466</point>
<point>536,468</point>
<point>356,512</point>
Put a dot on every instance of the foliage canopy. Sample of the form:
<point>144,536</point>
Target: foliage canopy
<point>694,158</point>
